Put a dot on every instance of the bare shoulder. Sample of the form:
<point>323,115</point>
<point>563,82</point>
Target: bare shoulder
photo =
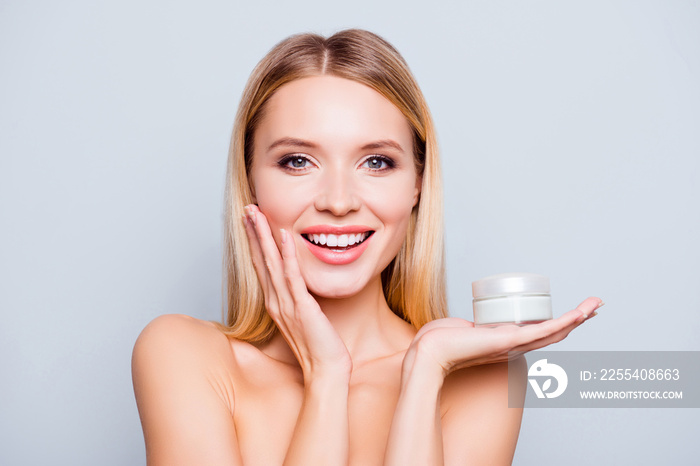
<point>180,329</point>
<point>474,405</point>
<point>177,346</point>
<point>184,392</point>
<point>176,326</point>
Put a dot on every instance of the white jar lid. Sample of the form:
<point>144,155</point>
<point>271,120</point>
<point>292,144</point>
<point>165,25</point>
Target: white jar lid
<point>505,284</point>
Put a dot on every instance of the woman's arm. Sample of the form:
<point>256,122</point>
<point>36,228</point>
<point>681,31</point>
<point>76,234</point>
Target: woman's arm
<point>415,437</point>
<point>476,427</point>
<point>479,424</point>
<point>452,352</point>
<point>184,398</point>
<point>321,433</point>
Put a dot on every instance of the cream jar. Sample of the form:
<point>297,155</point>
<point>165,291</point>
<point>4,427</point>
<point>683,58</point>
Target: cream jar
<point>511,298</point>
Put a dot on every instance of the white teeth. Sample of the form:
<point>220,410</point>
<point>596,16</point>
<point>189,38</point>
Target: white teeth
<point>340,241</point>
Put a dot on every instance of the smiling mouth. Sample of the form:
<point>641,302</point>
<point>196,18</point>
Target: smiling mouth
<point>337,243</point>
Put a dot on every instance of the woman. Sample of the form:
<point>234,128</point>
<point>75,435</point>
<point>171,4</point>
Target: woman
<point>336,348</point>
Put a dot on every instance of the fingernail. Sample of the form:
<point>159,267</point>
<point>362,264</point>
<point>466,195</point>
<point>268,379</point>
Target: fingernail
<point>582,317</point>
<point>250,213</point>
<point>284,235</point>
<point>595,313</point>
<point>602,303</point>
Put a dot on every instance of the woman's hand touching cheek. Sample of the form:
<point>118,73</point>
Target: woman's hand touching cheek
<point>315,343</point>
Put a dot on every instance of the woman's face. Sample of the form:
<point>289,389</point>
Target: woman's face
<point>333,165</point>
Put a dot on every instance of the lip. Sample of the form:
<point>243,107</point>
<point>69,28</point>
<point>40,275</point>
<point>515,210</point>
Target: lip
<point>330,256</point>
<point>335,229</point>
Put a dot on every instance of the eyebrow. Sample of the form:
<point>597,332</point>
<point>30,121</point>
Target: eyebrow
<point>383,144</point>
<point>294,142</point>
<point>291,142</point>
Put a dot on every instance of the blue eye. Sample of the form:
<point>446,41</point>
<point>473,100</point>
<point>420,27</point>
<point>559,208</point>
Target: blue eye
<point>298,162</point>
<point>294,162</point>
<point>378,163</point>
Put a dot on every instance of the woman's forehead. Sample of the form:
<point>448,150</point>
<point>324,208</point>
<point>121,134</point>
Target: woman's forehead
<point>331,110</point>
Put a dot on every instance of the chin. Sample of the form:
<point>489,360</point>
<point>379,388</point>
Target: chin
<point>334,289</point>
<point>333,294</point>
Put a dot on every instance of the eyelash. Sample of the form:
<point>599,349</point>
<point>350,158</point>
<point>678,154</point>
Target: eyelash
<point>284,162</point>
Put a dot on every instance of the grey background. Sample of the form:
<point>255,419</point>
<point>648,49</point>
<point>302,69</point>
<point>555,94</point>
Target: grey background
<point>570,144</point>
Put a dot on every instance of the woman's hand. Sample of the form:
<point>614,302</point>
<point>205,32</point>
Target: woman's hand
<point>315,343</point>
<point>450,344</point>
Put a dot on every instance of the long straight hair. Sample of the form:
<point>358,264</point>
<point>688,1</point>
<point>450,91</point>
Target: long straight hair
<point>414,282</point>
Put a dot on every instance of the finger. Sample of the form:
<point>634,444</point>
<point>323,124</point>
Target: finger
<point>262,231</point>
<point>548,340</point>
<point>272,260</point>
<point>256,252</point>
<point>556,332</point>
<point>589,306</point>
<point>292,274</point>
<point>271,300</point>
<point>545,329</point>
<point>514,336</point>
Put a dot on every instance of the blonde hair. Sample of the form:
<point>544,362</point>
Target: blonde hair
<point>414,282</point>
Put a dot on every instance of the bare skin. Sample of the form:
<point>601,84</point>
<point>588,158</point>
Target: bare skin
<point>344,381</point>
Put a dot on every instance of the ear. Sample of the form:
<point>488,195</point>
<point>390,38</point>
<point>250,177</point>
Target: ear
<point>416,192</point>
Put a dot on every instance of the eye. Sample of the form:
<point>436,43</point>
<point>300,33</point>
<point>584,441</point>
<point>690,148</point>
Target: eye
<point>294,162</point>
<point>378,163</point>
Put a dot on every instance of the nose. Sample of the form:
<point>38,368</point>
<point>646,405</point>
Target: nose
<point>337,193</point>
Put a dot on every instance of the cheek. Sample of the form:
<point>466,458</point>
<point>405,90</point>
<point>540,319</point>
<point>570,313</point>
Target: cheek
<point>281,203</point>
<point>393,203</point>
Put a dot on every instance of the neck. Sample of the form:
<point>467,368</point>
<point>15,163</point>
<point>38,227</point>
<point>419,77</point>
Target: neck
<point>361,320</point>
<point>364,322</point>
